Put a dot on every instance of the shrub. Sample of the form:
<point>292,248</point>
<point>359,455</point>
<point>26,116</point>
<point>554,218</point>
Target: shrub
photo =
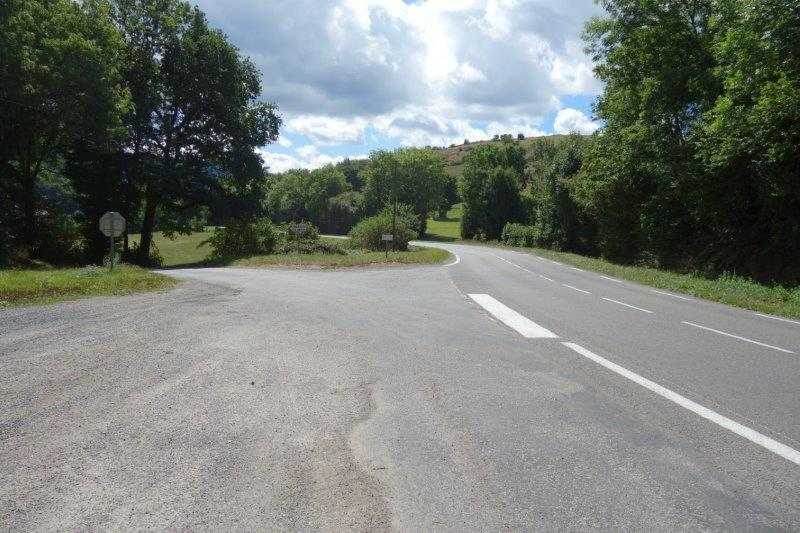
<point>368,233</point>
<point>308,247</point>
<point>518,235</point>
<point>285,234</point>
<point>243,238</point>
<point>153,260</point>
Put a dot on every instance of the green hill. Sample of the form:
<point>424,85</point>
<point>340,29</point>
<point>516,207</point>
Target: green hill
<point>454,155</point>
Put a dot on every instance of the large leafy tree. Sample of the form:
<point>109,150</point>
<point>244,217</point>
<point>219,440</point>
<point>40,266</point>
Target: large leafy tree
<point>490,187</point>
<point>749,200</point>
<point>410,176</point>
<point>304,194</point>
<point>59,88</point>
<point>655,58</point>
<point>196,117</point>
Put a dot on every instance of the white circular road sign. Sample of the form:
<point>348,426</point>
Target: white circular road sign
<point>112,224</point>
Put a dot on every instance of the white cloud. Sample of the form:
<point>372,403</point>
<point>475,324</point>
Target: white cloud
<point>307,156</point>
<point>328,130</point>
<point>573,121</point>
<point>422,72</point>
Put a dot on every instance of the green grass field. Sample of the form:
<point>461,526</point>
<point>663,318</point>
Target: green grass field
<point>27,287</point>
<point>188,250</point>
<point>448,229</point>
<point>183,250</point>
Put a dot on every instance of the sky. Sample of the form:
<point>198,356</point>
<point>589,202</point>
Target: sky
<point>352,76</point>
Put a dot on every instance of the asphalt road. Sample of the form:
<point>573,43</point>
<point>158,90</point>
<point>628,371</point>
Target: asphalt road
<point>502,391</point>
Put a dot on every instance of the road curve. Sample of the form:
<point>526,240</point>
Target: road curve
<point>501,391</point>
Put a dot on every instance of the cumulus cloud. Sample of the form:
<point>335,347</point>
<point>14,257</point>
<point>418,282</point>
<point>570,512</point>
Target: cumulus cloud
<point>573,121</point>
<point>420,72</point>
<point>306,156</point>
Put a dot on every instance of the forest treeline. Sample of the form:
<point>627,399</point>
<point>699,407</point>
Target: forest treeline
<point>130,105</point>
<point>697,166</point>
<point>137,106</point>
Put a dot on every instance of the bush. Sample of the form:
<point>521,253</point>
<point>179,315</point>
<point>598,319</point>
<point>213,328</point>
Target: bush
<point>154,259</point>
<point>519,235</point>
<point>243,238</point>
<point>368,233</point>
<point>310,248</point>
<point>284,234</point>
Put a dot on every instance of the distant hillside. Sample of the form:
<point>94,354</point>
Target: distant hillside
<point>454,156</point>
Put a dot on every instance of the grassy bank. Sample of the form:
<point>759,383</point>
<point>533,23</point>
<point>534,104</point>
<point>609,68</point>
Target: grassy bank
<point>447,229</point>
<point>188,251</point>
<point>731,290</point>
<point>26,287</point>
<point>354,258</point>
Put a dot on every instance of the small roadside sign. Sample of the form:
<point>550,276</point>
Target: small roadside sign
<point>112,224</point>
<point>387,237</point>
<point>299,228</point>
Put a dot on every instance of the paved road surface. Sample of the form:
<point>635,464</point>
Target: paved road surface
<point>504,391</point>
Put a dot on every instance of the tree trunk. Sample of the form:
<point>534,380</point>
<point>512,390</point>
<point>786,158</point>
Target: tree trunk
<point>148,224</point>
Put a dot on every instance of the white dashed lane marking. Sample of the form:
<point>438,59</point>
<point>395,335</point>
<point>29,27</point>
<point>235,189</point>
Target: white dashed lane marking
<point>670,294</point>
<point>576,288</point>
<point>522,325</point>
<point>628,305</point>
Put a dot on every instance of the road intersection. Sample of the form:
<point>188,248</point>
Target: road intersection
<point>502,390</point>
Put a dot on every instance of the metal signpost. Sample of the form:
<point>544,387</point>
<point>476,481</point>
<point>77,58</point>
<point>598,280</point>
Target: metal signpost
<point>297,230</point>
<point>112,224</point>
<point>387,239</point>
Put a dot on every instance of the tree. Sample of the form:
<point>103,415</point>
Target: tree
<point>59,84</point>
<point>489,187</point>
<point>195,109</point>
<point>413,176</point>
<point>305,194</point>
<point>656,61</point>
<point>749,196</point>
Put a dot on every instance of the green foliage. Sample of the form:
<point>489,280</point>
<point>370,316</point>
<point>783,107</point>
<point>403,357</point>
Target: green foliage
<point>411,176</point>
<point>305,195</point>
<point>310,247</point>
<point>489,185</point>
<point>290,233</point>
<point>344,210</point>
<point>243,239</point>
<point>515,234</point>
<point>368,233</point>
<point>697,166</point>
<point>59,84</point>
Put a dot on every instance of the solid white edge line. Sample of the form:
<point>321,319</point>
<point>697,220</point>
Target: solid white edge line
<point>575,288</point>
<point>670,294</point>
<point>610,279</point>
<point>745,339</point>
<point>628,305</point>
<point>457,260</point>
<point>762,315</point>
<point>575,268</point>
<point>752,435</point>
<point>522,325</point>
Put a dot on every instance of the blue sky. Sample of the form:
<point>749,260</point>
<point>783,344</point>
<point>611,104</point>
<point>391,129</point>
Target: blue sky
<point>351,76</point>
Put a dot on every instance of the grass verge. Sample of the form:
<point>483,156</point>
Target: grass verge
<point>353,258</point>
<point>731,290</point>
<point>28,287</point>
<point>447,229</point>
<point>183,250</point>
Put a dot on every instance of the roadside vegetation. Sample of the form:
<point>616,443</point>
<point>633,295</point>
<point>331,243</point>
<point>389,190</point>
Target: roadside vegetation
<point>26,287</point>
<point>695,171</point>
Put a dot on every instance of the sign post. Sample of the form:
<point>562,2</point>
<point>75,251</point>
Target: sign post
<point>387,239</point>
<point>298,229</point>
<point>112,224</point>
